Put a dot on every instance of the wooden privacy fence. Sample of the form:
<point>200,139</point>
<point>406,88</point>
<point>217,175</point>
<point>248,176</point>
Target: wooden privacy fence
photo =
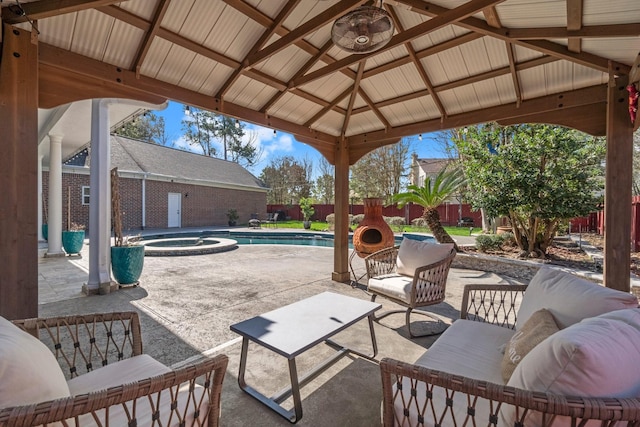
<point>449,212</point>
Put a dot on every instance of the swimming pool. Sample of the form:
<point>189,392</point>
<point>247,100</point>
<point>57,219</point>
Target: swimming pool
<point>170,244</point>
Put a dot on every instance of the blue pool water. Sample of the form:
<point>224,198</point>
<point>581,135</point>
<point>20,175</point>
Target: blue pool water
<point>272,238</point>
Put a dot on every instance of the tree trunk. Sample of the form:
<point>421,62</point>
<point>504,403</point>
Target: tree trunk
<point>432,217</point>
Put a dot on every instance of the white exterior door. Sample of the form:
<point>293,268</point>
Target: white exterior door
<point>175,210</point>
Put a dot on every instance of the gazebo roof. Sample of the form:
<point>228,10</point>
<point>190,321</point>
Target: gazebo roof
<point>272,62</point>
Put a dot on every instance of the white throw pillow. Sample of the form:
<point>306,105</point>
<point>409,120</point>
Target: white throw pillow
<point>29,372</point>
<point>597,357</point>
<point>570,298</point>
<point>414,253</point>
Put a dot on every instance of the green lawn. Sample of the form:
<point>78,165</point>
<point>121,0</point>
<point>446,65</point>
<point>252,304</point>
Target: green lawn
<point>323,226</point>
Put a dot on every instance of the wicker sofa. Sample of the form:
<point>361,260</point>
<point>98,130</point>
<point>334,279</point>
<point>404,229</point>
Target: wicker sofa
<point>586,369</point>
<point>105,378</point>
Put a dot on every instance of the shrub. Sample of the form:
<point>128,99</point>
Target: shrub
<point>509,239</point>
<point>356,219</point>
<point>486,242</point>
<point>419,222</point>
<point>394,220</point>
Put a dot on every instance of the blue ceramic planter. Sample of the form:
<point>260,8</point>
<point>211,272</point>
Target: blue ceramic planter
<point>127,263</point>
<point>72,241</point>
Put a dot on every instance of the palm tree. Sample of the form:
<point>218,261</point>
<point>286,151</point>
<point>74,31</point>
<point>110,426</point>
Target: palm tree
<point>434,192</point>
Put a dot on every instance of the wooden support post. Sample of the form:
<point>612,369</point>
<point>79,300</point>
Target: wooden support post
<point>341,210</point>
<point>18,170</point>
<point>617,200</point>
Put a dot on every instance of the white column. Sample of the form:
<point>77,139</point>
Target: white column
<point>55,196</point>
<point>40,236</point>
<point>100,201</point>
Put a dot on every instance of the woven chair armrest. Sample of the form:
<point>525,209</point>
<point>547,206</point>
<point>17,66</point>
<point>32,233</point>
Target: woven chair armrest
<point>209,372</point>
<point>82,343</point>
<point>381,262</point>
<point>495,304</point>
<point>495,396</point>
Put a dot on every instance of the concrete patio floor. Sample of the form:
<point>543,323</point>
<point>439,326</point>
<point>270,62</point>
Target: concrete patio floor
<point>187,303</point>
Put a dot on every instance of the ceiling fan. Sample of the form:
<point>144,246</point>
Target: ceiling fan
<point>363,30</point>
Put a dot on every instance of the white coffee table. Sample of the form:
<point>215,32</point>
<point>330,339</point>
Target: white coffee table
<point>291,330</point>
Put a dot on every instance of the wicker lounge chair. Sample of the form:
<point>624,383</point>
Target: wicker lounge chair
<point>105,378</point>
<point>413,274</point>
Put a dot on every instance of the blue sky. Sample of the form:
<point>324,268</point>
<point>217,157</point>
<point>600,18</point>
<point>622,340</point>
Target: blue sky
<point>281,144</point>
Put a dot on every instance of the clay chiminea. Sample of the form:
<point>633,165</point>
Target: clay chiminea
<point>373,233</point>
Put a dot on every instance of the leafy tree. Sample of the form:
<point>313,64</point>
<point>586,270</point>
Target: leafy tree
<point>537,175</point>
<point>147,127</point>
<point>380,173</point>
<point>208,130</point>
<point>431,195</point>
<point>324,185</point>
<point>288,179</point>
<point>199,130</point>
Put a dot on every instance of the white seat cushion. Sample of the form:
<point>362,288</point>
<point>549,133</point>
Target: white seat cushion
<point>414,253</point>
<point>458,351</point>
<point>392,285</point>
<point>29,372</point>
<point>569,298</point>
<point>122,372</point>
<point>135,369</point>
<point>469,348</point>
<point>597,357</point>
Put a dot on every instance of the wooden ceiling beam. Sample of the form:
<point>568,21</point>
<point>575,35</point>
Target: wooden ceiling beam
<point>432,50</point>
<point>306,67</point>
<point>338,99</point>
<point>417,64</point>
<point>465,81</point>
<point>373,107</point>
<point>546,104</point>
<point>599,31</point>
<point>634,74</point>
<point>478,25</point>
<point>514,73</point>
<point>154,26</point>
<point>574,23</point>
<point>437,22</point>
<point>264,38</point>
<point>313,24</point>
<point>102,73</point>
<point>352,99</point>
<point>15,14</point>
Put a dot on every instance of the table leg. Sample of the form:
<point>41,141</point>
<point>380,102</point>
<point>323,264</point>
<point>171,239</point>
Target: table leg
<point>293,416</point>
<point>374,343</point>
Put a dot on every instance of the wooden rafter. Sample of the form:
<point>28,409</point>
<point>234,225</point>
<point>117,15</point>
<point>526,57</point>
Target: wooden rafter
<point>310,26</point>
<point>338,99</point>
<point>593,31</point>
<point>549,48</point>
<point>352,99</point>
<point>321,53</point>
<point>514,73</point>
<point>271,30</point>
<point>634,74</point>
<point>465,81</point>
<point>417,64</point>
<point>179,40</point>
<point>574,23</point>
<point>42,9</point>
<point>557,102</point>
<point>493,19</point>
<point>143,49</point>
<point>103,73</point>
<point>372,107</point>
<point>442,20</point>
<point>431,50</point>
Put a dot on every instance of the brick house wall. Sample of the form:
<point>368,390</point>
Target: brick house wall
<point>201,205</point>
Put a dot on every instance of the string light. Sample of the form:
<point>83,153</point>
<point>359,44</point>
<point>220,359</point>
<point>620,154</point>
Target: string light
<point>420,137</point>
<point>187,110</point>
<point>275,133</point>
<point>237,124</point>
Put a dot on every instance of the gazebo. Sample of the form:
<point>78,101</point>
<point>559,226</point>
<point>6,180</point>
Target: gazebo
<point>345,77</point>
